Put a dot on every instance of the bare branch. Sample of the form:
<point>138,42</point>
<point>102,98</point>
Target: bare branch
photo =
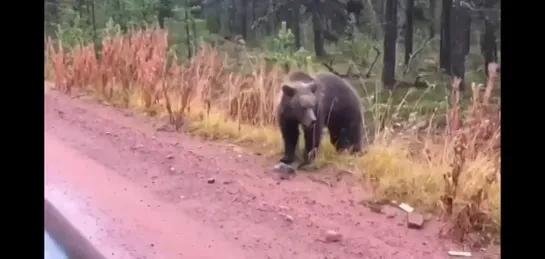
<point>378,53</point>
<point>330,67</point>
<point>408,67</point>
<point>349,73</point>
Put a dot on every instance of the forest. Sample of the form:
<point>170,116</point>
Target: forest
<point>427,71</point>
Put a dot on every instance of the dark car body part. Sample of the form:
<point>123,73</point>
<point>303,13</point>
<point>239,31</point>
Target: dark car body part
<point>74,244</point>
<point>52,250</point>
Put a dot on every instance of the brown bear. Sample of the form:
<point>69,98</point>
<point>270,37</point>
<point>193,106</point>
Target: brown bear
<point>325,100</point>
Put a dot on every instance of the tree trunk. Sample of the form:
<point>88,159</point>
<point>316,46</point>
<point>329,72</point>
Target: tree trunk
<point>254,18</point>
<point>164,12</point>
<point>51,16</point>
<point>93,20</point>
<point>317,28</point>
<point>223,18</point>
<point>161,20</point>
<point>271,21</point>
<point>489,48</point>
<point>78,7</point>
<point>254,10</point>
<point>460,22</point>
<point>467,24</point>
<point>374,21</point>
<point>409,31</point>
<point>433,22</point>
<point>187,30</point>
<point>390,39</point>
<point>194,36</point>
<point>232,16</point>
<point>244,19</point>
<point>444,51</point>
<point>52,10</point>
<point>296,27</point>
<point>87,19</point>
<point>118,16</point>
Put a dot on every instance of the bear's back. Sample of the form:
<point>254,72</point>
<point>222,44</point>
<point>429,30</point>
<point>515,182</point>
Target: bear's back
<point>299,76</point>
<point>336,87</point>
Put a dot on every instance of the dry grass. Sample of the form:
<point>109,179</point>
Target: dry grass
<point>453,171</point>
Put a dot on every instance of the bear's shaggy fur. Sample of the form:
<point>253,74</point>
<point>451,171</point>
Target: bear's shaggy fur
<point>325,100</point>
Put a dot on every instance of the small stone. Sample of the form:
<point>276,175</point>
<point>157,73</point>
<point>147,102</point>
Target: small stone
<point>167,127</point>
<point>390,214</point>
<point>211,180</point>
<point>137,147</point>
<point>172,169</point>
<point>406,207</point>
<point>284,168</point>
<point>61,114</point>
<point>263,206</point>
<point>415,220</point>
<point>288,218</point>
<point>170,156</point>
<point>285,176</point>
<point>332,236</point>
<point>376,208</point>
<point>310,202</point>
<point>459,253</point>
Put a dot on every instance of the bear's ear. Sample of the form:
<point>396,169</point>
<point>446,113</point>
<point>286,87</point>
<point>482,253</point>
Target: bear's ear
<point>288,90</point>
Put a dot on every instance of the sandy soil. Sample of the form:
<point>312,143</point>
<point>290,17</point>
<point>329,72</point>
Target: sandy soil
<point>137,192</point>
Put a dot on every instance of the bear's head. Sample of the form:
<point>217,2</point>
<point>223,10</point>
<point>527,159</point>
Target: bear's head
<point>301,101</point>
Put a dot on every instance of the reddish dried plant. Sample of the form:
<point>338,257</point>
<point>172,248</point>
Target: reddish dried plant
<point>479,133</point>
<point>137,63</point>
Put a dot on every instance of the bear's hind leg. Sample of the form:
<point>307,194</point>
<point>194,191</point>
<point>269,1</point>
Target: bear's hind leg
<point>290,135</point>
<point>333,131</point>
<point>345,139</point>
<point>337,135</point>
<point>354,137</point>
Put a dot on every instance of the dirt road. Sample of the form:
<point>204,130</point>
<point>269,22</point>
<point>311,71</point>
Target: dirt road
<point>141,193</point>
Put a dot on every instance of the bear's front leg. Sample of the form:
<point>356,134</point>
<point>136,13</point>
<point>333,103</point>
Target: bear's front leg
<point>290,135</point>
<point>313,136</point>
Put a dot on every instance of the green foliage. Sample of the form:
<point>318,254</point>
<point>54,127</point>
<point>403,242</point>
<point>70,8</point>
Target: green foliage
<point>111,29</point>
<point>129,13</point>
<point>71,31</point>
<point>284,41</point>
<point>358,47</point>
<point>141,12</point>
<point>284,53</point>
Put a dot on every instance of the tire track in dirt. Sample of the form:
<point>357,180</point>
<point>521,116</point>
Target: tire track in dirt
<point>245,204</point>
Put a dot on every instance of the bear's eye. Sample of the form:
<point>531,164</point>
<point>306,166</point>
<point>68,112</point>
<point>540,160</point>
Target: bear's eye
<point>307,101</point>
